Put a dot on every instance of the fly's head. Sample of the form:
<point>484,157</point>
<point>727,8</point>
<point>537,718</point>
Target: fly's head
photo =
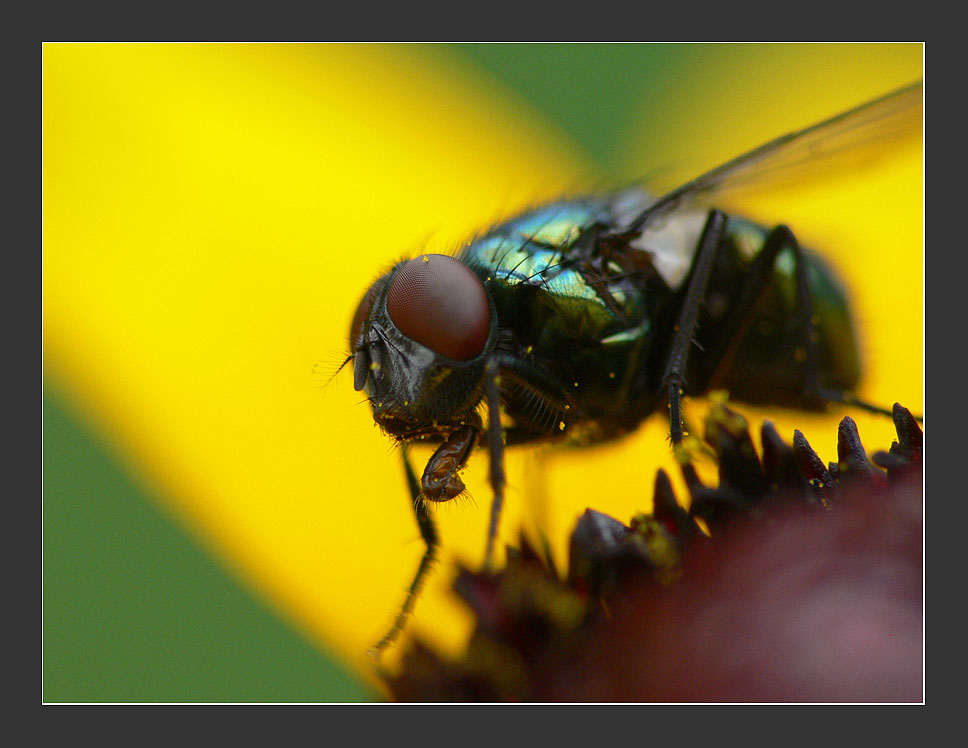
<point>419,340</point>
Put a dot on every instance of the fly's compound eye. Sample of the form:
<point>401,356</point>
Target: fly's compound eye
<point>437,301</point>
<point>359,318</point>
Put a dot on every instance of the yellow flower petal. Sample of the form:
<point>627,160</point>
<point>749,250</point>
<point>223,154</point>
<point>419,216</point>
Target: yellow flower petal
<point>212,215</point>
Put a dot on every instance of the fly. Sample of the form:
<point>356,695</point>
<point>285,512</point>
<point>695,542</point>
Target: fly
<point>581,318</point>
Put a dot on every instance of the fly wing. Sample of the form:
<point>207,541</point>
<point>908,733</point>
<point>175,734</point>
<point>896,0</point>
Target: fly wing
<point>847,139</point>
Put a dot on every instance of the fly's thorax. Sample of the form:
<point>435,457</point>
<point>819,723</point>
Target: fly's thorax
<point>576,323</point>
<point>552,286</point>
<point>420,339</point>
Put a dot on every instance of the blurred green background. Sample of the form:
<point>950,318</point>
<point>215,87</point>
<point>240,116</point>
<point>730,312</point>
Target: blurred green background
<point>134,609</point>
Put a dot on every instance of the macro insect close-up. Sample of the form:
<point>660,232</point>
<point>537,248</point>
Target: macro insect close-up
<point>574,321</point>
<point>328,325</point>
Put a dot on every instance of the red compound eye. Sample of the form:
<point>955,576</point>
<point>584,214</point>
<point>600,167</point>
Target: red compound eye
<point>438,302</point>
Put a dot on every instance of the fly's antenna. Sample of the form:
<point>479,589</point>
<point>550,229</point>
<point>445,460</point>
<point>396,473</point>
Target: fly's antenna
<point>349,358</point>
<point>327,372</point>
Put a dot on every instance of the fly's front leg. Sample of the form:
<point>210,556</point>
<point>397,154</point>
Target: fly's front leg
<point>702,265</point>
<point>428,531</point>
<point>440,482</point>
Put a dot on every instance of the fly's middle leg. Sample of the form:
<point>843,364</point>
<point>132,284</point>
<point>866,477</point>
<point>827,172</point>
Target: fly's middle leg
<point>495,448</point>
<point>702,265</point>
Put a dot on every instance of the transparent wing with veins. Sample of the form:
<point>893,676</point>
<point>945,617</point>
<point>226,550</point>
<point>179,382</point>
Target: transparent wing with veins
<point>850,139</point>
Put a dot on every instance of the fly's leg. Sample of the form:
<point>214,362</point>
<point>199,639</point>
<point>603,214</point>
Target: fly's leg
<point>734,331</point>
<point>674,376</point>
<point>757,281</point>
<point>440,482</point>
<point>495,449</point>
<point>428,531</point>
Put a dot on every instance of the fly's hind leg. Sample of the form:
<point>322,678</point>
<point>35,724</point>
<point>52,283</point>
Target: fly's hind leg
<point>428,531</point>
<point>735,329</point>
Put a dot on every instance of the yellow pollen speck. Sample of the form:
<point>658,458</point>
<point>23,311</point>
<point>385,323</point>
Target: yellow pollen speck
<point>576,384</point>
<point>561,425</point>
<point>529,349</point>
<point>426,259</point>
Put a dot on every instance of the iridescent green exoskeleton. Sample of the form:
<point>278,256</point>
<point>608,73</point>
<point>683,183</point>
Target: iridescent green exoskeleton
<point>577,320</point>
